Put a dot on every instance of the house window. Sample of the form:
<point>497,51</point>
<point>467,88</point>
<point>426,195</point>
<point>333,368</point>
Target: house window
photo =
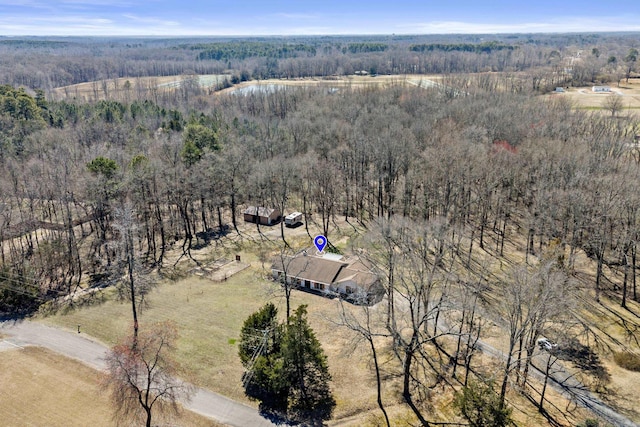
<point>320,286</point>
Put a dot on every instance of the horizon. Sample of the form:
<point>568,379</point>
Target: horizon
<point>292,36</point>
<point>281,18</point>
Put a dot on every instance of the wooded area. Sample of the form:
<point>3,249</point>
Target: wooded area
<point>440,176</point>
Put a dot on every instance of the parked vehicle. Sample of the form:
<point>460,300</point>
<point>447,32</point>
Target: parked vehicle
<point>293,219</point>
<point>545,344</point>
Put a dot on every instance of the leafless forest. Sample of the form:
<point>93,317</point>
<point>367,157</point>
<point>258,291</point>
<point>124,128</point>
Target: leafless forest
<point>443,177</point>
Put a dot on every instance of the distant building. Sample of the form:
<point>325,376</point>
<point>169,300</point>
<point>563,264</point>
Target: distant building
<point>601,89</point>
<point>330,275</point>
<point>261,215</point>
<point>559,89</point>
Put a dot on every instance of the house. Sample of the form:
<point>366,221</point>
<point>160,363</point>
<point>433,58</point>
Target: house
<point>330,275</point>
<point>601,89</point>
<point>559,89</point>
<point>262,215</point>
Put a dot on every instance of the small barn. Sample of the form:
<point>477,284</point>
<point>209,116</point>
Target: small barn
<point>261,215</point>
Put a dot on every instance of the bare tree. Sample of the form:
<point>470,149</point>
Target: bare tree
<point>531,299</point>
<point>140,378</point>
<point>363,324</point>
<point>133,283</point>
<point>613,104</point>
<point>290,264</point>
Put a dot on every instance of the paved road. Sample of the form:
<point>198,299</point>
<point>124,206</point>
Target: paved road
<point>79,347</point>
<point>563,382</point>
<point>567,385</point>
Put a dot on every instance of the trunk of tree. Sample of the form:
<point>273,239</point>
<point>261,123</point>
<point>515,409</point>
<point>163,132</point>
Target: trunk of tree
<point>233,212</point>
<point>132,288</point>
<point>203,215</point>
<point>544,384</point>
<point>505,377</point>
<point>378,380</point>
<point>600,256</point>
<point>220,225</point>
<point>406,388</point>
<point>633,271</point>
<point>625,279</point>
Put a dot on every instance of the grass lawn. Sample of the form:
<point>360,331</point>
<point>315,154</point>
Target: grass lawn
<point>42,388</point>
<point>209,316</point>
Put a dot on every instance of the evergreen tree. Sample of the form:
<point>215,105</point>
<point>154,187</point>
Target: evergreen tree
<point>259,352</point>
<point>306,371</point>
<point>286,368</point>
<point>481,406</point>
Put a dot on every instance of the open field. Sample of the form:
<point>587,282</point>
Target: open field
<point>120,89</point>
<point>209,317</point>
<point>585,98</point>
<point>124,87</point>
<point>42,388</point>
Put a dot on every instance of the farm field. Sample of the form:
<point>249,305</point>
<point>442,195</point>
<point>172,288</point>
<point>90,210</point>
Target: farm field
<point>41,388</point>
<point>119,89</point>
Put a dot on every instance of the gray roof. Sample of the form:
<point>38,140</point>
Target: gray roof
<point>260,211</point>
<point>309,267</point>
<point>325,270</point>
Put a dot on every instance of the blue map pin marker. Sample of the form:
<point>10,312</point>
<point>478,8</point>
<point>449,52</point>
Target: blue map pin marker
<point>320,242</point>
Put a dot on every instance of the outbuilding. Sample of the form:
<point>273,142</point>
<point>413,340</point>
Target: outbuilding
<point>261,215</point>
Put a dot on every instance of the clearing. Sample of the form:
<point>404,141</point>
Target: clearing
<point>585,98</point>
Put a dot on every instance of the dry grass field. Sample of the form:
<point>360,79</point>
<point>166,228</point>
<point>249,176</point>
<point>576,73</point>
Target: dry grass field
<point>41,388</point>
<point>585,98</point>
<point>127,88</point>
<point>209,316</point>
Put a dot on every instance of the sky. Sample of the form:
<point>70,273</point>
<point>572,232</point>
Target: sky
<point>311,17</point>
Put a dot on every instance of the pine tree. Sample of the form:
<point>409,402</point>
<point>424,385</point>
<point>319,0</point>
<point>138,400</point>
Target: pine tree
<point>286,368</point>
<point>259,352</point>
<point>481,406</point>
<point>306,371</point>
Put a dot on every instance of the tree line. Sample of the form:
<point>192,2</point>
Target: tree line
<point>54,63</point>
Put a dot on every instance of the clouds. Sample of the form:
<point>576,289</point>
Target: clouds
<point>285,17</point>
<point>555,25</point>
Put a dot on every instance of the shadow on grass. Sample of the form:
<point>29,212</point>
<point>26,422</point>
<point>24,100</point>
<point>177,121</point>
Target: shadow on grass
<point>212,234</point>
<point>585,359</point>
<point>280,419</point>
